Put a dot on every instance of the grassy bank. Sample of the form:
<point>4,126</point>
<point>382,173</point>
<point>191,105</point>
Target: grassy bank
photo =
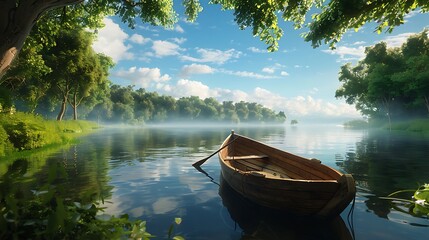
<point>22,131</point>
<point>415,125</point>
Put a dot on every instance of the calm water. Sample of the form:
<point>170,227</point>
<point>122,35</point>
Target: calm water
<point>147,174</point>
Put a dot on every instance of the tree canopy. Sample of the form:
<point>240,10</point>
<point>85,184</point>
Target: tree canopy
<point>390,82</point>
<point>334,19</point>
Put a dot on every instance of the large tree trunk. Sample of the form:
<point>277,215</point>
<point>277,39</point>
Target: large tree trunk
<point>17,17</point>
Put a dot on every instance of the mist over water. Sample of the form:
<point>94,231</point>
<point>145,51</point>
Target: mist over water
<point>146,172</point>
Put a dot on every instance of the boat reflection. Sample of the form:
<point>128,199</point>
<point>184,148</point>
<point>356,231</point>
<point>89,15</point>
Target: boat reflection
<point>258,222</point>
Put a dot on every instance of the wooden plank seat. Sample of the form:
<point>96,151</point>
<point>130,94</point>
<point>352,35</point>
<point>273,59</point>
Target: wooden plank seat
<point>247,157</point>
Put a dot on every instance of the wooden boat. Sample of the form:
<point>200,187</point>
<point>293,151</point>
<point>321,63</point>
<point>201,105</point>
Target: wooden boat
<point>283,181</point>
<point>258,222</point>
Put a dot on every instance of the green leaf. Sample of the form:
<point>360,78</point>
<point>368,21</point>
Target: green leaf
<point>178,221</point>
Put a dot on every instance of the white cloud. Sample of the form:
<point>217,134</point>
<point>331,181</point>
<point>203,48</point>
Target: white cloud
<point>347,53</point>
<point>233,95</point>
<point>301,106</point>
<point>196,69</point>
<point>179,29</point>
<point>165,48</point>
<point>268,70</point>
<point>247,74</point>
<point>139,39</point>
<point>397,40</point>
<point>257,50</point>
<point>359,43</point>
<point>411,14</point>
<point>284,73</point>
<point>301,66</point>
<point>111,41</point>
<point>213,56</point>
<point>143,77</point>
<point>179,40</point>
<point>186,88</point>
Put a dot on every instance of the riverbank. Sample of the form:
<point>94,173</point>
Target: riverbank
<point>23,131</point>
<point>415,125</point>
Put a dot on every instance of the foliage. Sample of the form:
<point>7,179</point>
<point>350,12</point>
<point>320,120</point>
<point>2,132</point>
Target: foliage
<point>75,74</point>
<point>77,69</point>
<point>333,20</point>
<point>389,82</point>
<point>293,122</point>
<point>5,145</point>
<point>418,206</point>
<point>416,125</point>
<point>48,216</point>
<point>356,124</point>
<point>21,131</point>
<point>338,16</point>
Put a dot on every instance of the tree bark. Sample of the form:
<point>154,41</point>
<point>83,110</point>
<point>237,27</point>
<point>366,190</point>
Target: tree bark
<point>16,20</point>
<point>63,109</point>
<point>74,105</point>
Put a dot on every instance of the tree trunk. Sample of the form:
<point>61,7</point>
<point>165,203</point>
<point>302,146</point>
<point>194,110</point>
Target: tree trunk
<point>16,20</point>
<point>74,105</point>
<point>63,109</point>
<point>75,113</point>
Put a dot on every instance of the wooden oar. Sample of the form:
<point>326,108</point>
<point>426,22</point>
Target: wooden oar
<point>202,161</point>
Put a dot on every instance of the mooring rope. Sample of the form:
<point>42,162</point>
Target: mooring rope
<point>350,216</point>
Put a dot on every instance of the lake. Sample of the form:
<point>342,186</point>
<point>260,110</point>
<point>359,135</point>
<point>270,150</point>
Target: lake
<point>147,173</point>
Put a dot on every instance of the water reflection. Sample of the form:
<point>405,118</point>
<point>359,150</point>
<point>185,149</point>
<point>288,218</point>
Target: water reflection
<point>261,223</point>
<point>147,174</point>
<point>385,162</point>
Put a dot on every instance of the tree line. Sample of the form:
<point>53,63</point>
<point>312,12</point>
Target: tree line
<point>139,106</point>
<point>73,75</point>
<point>390,83</point>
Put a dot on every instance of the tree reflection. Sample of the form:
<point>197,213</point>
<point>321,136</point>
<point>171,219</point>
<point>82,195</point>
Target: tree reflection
<point>385,162</point>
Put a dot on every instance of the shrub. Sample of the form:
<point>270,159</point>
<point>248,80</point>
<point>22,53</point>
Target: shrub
<point>356,124</point>
<point>5,145</point>
<point>22,131</point>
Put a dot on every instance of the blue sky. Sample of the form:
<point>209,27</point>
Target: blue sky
<point>212,57</point>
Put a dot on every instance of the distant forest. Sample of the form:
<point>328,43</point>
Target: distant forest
<point>120,104</point>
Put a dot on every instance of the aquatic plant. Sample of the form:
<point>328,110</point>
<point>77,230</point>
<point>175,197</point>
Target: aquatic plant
<point>417,206</point>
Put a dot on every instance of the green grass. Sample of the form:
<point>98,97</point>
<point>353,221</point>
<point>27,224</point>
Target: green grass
<point>22,131</point>
<point>417,125</point>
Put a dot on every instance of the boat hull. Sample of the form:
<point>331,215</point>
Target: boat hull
<point>310,188</point>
